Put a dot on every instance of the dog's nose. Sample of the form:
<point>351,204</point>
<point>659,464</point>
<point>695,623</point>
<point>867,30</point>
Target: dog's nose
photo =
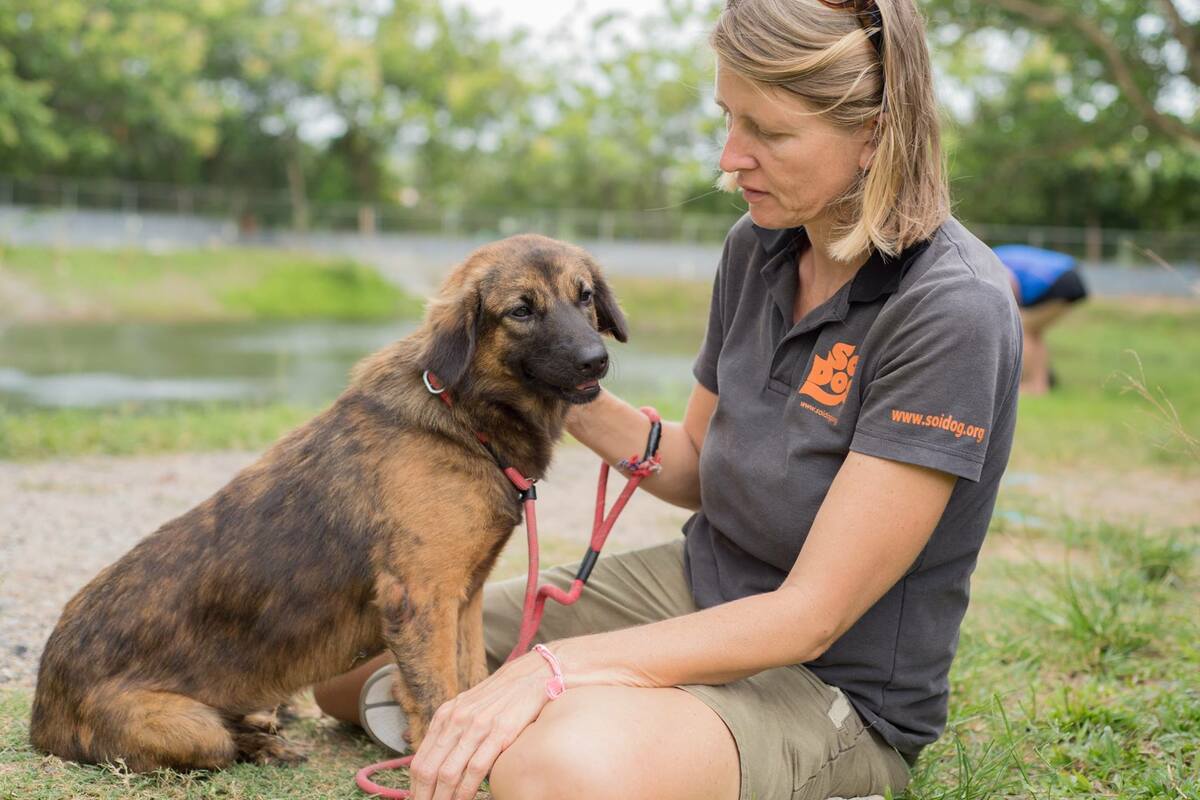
<point>592,360</point>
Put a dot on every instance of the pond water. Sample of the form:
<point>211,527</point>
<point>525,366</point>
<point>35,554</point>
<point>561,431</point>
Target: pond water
<point>300,363</point>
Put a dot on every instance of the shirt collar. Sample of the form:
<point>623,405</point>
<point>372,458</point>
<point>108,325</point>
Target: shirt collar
<point>880,275</point>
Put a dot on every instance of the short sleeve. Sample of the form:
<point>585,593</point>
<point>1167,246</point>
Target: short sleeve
<point>705,365</point>
<point>947,371</point>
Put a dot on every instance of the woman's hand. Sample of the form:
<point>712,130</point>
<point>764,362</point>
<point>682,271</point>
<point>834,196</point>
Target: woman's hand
<point>468,733</point>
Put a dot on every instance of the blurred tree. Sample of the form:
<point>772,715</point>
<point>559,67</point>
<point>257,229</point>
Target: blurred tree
<point>28,140</point>
<point>1079,114</point>
<point>293,75</point>
<point>458,90</point>
<point>626,121</point>
<point>1147,51</point>
<point>112,88</point>
<point>1073,118</point>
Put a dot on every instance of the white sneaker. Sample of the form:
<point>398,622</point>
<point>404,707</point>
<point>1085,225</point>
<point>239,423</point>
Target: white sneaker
<point>381,716</point>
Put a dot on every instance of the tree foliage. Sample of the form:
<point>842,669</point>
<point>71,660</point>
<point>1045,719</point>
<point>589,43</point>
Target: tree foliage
<point>1067,112</point>
<point>1080,114</point>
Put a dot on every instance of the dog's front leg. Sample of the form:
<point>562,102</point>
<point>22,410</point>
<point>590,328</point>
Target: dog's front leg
<point>472,658</point>
<point>420,627</point>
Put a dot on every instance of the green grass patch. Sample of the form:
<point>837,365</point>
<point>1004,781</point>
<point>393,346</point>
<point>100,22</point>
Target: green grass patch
<point>1075,677</point>
<point>662,309</point>
<point>1092,415</point>
<point>335,751</point>
<point>134,429</point>
<point>218,284</point>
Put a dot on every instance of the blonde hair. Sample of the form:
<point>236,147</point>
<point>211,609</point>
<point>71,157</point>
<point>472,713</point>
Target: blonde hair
<point>825,57</point>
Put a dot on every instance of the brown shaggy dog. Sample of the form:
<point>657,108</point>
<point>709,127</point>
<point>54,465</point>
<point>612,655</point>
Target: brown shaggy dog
<point>372,526</point>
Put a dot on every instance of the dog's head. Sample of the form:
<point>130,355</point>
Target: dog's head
<point>524,314</point>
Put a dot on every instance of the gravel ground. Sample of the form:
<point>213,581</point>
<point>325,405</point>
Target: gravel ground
<point>61,522</point>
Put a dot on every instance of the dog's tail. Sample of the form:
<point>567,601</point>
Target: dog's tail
<point>145,729</point>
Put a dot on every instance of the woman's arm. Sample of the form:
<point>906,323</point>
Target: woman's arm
<point>616,430</point>
<point>875,520</point>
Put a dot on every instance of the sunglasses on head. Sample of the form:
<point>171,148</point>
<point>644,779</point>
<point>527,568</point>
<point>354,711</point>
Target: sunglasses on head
<point>868,16</point>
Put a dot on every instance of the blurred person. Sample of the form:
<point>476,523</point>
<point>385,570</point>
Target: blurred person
<point>842,448</point>
<point>1046,285</point>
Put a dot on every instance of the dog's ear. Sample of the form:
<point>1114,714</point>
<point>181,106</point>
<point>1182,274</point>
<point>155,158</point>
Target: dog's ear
<point>453,329</point>
<point>609,317</point>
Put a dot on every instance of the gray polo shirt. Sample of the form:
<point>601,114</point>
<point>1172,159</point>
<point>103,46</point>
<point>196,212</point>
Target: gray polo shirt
<point>916,359</point>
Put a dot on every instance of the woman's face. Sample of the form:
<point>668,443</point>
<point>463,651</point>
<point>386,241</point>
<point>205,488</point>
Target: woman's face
<point>791,163</point>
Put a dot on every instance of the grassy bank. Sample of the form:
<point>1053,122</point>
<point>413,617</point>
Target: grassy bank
<point>135,430</point>
<point>224,284</point>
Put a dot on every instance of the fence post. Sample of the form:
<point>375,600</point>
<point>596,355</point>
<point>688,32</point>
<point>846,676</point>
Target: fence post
<point>608,226</point>
<point>1094,244</point>
<point>367,220</point>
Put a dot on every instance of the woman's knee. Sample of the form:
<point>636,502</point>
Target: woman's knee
<point>558,753</point>
<point>594,743</point>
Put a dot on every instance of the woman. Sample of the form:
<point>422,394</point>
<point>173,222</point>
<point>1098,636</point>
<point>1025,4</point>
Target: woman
<point>843,445</point>
<point>1046,285</point>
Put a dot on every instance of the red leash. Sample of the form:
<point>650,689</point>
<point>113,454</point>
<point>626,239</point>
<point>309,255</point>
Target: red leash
<point>535,597</point>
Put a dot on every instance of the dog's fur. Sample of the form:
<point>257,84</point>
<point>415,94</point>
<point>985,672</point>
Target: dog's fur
<point>374,525</point>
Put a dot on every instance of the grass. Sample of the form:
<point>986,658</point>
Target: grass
<point>672,312</point>
<point>225,284</point>
<point>1093,415</point>
<point>337,753</point>
<point>134,429</point>
<point>1076,677</point>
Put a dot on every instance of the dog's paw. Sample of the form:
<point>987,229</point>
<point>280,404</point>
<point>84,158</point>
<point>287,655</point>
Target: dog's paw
<point>262,722</point>
<point>268,749</point>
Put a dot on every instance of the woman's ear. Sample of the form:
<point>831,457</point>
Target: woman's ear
<point>609,317</point>
<point>874,130</point>
<point>453,330</point>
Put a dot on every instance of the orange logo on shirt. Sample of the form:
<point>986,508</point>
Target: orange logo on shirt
<point>828,381</point>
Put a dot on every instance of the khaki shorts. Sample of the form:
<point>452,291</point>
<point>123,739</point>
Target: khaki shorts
<point>796,736</point>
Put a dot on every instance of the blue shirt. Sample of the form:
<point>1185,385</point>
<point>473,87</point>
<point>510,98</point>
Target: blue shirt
<point>1035,269</point>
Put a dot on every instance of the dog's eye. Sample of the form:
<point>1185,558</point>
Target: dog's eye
<point>585,296</point>
<point>521,312</point>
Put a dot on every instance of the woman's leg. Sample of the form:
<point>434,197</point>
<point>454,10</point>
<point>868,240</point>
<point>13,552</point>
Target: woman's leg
<point>780,733</point>
<point>338,697</point>
<point>1035,359</point>
<point>625,589</point>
